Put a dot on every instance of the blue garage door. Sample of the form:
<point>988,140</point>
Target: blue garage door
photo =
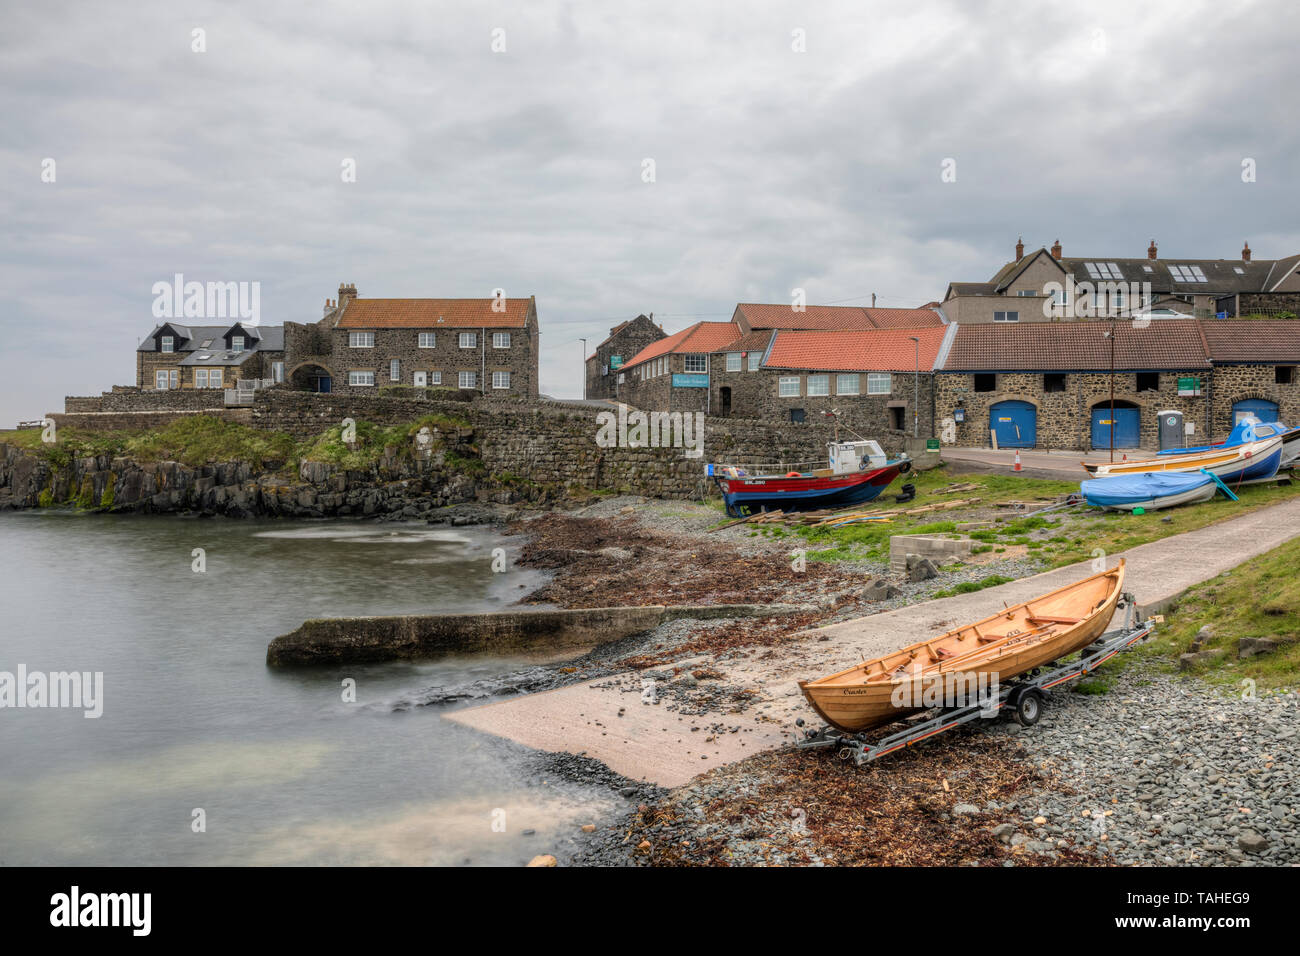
<point>1126,426</point>
<point>1015,424</point>
<point>1262,409</point>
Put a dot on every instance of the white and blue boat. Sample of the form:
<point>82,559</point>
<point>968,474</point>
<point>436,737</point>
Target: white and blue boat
<point>1150,491</point>
<point>1249,430</point>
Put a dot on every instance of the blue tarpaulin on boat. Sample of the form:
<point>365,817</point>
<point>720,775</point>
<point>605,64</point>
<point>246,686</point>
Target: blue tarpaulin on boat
<point>1130,489</point>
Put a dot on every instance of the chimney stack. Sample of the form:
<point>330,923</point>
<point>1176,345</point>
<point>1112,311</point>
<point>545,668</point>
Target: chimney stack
<point>1245,252</point>
<point>1056,249</point>
<point>329,306</point>
<point>1151,250</point>
<point>1020,248</point>
<point>348,291</point>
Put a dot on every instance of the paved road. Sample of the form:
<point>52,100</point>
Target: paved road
<point>658,744</point>
<point>1034,464</point>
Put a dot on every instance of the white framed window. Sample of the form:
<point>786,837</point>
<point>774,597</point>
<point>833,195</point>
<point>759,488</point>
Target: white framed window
<point>878,383</point>
<point>1006,316</point>
<point>361,340</point>
<point>435,378</point>
<point>787,386</point>
<point>200,378</point>
<point>361,378</point>
<point>819,385</point>
<point>500,379</point>
<point>236,343</point>
<point>697,363</point>
<point>501,340</point>
<point>162,378</point>
<point>468,380</point>
<point>469,340</point>
<point>1061,298</point>
<point>733,361</point>
<point>277,371</point>
<point>394,370</point>
<point>846,384</point>
<point>755,359</point>
<point>168,344</point>
<point>427,340</point>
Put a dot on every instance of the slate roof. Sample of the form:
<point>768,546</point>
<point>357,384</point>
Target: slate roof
<point>269,338</point>
<point>1077,346</point>
<point>871,350</point>
<point>431,314</point>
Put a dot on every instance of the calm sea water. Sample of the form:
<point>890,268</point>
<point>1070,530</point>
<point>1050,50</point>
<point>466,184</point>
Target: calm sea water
<point>283,769</point>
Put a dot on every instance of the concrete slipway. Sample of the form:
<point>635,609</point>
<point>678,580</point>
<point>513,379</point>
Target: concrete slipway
<point>651,742</point>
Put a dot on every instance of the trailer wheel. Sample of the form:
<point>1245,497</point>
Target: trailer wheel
<point>1028,708</point>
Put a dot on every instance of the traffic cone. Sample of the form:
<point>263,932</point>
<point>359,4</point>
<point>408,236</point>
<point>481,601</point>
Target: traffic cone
<point>1016,466</point>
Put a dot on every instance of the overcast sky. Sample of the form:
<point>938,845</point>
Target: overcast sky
<point>1102,124</point>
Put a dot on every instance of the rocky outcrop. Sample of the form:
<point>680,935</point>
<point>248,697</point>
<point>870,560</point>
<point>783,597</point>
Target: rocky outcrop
<point>396,487</point>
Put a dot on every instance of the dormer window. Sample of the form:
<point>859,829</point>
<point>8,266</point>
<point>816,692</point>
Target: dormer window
<point>236,343</point>
<point>168,344</point>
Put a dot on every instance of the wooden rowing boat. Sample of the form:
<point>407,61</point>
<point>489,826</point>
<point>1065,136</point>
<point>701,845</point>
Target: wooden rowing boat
<point>1009,643</point>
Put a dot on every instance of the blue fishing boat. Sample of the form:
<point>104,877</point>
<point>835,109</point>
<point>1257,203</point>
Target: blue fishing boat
<point>1149,490</point>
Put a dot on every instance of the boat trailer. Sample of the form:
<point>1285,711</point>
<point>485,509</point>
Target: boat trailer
<point>1021,697</point>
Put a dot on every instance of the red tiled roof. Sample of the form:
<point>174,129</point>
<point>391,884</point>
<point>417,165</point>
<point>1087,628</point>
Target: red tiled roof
<point>905,318</point>
<point>432,314</point>
<point>760,316</point>
<point>870,350</point>
<point>700,337</point>
<point>1247,341</point>
<point>1076,346</point>
<point>755,341</point>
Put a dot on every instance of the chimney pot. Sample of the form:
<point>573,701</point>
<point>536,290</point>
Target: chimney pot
<point>1151,250</point>
<point>1056,249</point>
<point>1245,252</point>
<point>1020,248</point>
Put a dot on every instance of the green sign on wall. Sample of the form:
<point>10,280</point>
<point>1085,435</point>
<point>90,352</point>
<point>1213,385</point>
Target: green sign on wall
<point>1189,386</point>
<point>616,361</point>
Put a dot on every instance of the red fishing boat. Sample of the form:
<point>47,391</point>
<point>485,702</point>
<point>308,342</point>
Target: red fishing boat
<point>858,471</point>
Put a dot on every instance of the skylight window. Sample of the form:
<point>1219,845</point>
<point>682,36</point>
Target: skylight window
<point>1147,269</point>
<point>1187,274</point>
<point>1103,270</point>
<point>1239,270</point>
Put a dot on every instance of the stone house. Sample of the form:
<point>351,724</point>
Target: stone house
<point>672,374</point>
<point>879,381</point>
<point>178,356</point>
<point>1046,285</point>
<point>1255,370</point>
<point>363,345</point>
<point>625,340</point>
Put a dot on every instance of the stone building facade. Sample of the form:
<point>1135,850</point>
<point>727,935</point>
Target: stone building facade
<point>175,356</point>
<point>625,341</point>
<point>364,345</point>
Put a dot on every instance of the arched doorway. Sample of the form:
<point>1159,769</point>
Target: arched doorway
<point>1014,423</point>
<point>1260,408</point>
<point>310,377</point>
<point>1127,425</point>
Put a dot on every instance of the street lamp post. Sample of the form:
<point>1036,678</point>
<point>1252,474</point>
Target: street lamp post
<point>916,390</point>
<point>584,368</point>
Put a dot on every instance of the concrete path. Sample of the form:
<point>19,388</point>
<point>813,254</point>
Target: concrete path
<point>1034,464</point>
<point>607,720</point>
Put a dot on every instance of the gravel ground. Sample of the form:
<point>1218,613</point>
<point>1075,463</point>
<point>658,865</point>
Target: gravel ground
<point>1169,771</point>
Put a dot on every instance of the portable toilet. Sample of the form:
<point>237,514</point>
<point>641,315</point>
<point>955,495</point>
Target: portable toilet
<point>1172,433</point>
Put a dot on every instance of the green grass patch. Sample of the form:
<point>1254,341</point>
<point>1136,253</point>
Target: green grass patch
<point>1261,598</point>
